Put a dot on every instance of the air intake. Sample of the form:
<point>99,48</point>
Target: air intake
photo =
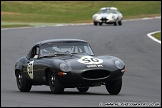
<point>95,74</point>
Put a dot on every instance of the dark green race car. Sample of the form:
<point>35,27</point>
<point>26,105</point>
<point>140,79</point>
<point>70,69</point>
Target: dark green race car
<point>68,63</point>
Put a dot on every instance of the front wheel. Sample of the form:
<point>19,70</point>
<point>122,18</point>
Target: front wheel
<point>100,23</point>
<point>114,87</point>
<point>120,22</point>
<point>23,84</point>
<point>82,89</point>
<point>95,23</point>
<point>115,23</point>
<point>55,85</point>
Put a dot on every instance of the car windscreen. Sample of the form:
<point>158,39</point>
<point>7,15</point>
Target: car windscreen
<point>65,48</point>
<point>108,11</point>
<point>103,11</point>
<point>112,11</point>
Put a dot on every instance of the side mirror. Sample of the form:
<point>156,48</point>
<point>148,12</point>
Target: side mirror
<point>27,56</point>
<point>36,56</point>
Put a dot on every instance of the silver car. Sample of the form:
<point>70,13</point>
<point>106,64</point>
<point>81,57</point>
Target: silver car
<point>108,15</point>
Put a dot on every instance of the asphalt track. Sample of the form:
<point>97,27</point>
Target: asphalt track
<point>142,56</point>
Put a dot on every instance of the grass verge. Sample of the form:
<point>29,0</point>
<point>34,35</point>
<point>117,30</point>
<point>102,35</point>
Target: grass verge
<point>157,35</point>
<point>72,11</point>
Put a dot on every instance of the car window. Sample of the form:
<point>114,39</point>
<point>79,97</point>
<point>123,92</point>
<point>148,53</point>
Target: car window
<point>103,11</point>
<point>65,48</point>
<point>111,11</point>
<point>108,11</point>
<point>34,52</point>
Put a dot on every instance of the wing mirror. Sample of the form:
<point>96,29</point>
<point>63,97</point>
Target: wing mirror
<point>36,56</point>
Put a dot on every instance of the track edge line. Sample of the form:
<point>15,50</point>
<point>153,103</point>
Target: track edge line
<point>153,38</point>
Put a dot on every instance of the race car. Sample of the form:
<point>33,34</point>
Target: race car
<point>108,15</point>
<point>68,63</point>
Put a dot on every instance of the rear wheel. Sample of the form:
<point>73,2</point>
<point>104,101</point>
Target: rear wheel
<point>114,87</point>
<point>55,86</point>
<point>23,84</point>
<point>82,89</point>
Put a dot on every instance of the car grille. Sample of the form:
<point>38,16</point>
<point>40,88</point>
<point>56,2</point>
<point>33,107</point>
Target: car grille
<point>95,74</point>
<point>104,19</point>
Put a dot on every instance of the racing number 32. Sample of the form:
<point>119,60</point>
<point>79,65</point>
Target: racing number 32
<point>90,60</point>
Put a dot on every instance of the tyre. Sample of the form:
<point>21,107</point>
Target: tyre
<point>100,23</point>
<point>95,23</point>
<point>82,89</point>
<point>55,86</point>
<point>114,87</point>
<point>115,23</point>
<point>23,84</point>
<point>119,22</point>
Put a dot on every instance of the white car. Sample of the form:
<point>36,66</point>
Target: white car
<point>108,15</point>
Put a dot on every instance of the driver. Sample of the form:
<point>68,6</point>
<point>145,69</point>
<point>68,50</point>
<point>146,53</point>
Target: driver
<point>48,51</point>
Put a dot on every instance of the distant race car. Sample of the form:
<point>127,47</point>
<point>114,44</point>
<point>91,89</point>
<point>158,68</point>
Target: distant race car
<point>108,15</point>
<point>68,63</point>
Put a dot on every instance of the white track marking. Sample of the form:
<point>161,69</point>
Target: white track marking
<point>149,34</point>
<point>153,38</point>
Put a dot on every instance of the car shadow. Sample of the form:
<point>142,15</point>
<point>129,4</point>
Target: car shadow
<point>105,25</point>
<point>69,93</point>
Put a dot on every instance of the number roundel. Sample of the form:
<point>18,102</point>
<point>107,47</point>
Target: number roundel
<point>90,60</point>
<point>30,69</point>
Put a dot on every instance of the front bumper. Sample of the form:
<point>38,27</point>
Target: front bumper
<point>105,20</point>
<point>74,79</point>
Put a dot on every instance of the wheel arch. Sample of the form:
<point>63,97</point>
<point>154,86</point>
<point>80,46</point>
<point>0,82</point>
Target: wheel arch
<point>17,71</point>
<point>18,67</point>
<point>47,70</point>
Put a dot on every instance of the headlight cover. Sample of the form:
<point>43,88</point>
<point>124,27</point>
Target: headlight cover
<point>113,16</point>
<point>65,67</point>
<point>95,17</point>
<point>119,64</point>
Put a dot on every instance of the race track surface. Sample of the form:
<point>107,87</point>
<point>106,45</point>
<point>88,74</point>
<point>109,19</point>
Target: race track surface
<point>142,56</point>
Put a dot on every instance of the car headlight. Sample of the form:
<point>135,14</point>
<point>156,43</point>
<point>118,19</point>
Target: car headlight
<point>119,64</point>
<point>113,17</point>
<point>65,67</point>
<point>95,17</point>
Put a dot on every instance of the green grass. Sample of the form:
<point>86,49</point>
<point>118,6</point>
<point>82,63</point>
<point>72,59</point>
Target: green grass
<point>72,11</point>
<point>157,35</point>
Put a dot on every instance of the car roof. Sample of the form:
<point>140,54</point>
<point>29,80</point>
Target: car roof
<point>109,8</point>
<point>59,40</point>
